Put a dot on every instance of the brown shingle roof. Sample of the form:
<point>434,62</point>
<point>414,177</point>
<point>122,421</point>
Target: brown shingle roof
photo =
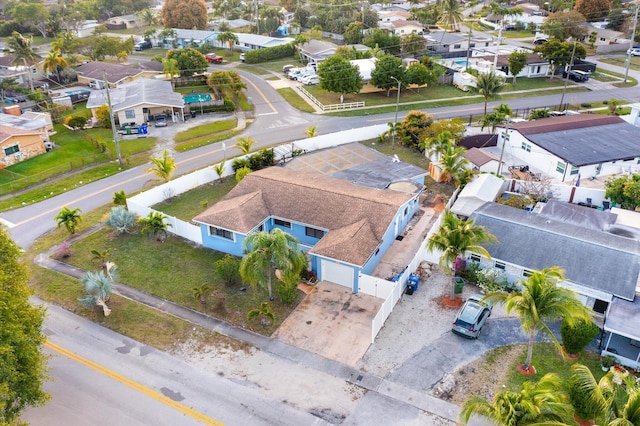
<point>478,157</point>
<point>116,72</point>
<point>565,122</point>
<point>6,132</point>
<point>356,217</point>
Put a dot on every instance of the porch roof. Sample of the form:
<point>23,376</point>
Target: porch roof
<point>623,318</point>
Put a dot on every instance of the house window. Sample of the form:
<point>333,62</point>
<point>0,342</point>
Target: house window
<point>574,170</point>
<point>313,232</point>
<point>377,251</point>
<point>456,46</point>
<point>282,223</point>
<point>223,233</point>
<point>129,113</point>
<point>600,306</point>
<point>560,167</point>
<point>260,228</point>
<point>11,149</point>
<point>526,147</point>
<point>474,257</point>
<point>526,273</point>
<point>499,265</point>
<point>406,210</point>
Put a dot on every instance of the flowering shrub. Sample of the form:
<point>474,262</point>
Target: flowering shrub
<point>619,374</point>
<point>491,280</point>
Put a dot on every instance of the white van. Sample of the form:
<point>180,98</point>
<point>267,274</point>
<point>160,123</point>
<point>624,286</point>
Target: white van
<point>97,84</point>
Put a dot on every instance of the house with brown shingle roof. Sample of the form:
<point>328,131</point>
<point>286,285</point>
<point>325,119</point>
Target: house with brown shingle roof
<point>117,73</point>
<point>564,147</point>
<point>344,227</point>
<point>18,145</point>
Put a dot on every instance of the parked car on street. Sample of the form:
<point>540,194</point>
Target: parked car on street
<point>212,58</point>
<point>146,44</point>
<point>576,75</point>
<point>635,51</point>
<point>287,68</point>
<point>472,316</point>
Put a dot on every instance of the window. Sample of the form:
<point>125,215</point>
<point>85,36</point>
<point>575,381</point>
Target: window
<point>456,46</point>
<point>574,170</point>
<point>406,211</point>
<point>11,149</point>
<point>223,233</point>
<point>313,232</point>
<point>560,167</point>
<point>600,306</point>
<point>129,113</point>
<point>526,147</point>
<point>377,251</point>
<point>472,45</point>
<point>283,223</point>
<point>474,257</point>
<point>499,265</point>
<point>526,273</point>
<point>260,228</point>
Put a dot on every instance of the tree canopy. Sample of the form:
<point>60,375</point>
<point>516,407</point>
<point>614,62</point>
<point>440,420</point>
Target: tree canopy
<point>187,14</point>
<point>593,10</point>
<point>517,61</point>
<point>190,61</point>
<point>563,25</point>
<point>388,73</point>
<point>22,363</point>
<point>337,75</point>
<point>558,53</point>
<point>624,190</point>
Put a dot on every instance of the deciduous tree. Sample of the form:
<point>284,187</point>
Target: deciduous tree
<point>187,14</point>
<point>387,73</point>
<point>34,15</point>
<point>624,190</point>
<point>22,363</point>
<point>559,53</point>
<point>517,61</point>
<point>562,25</point>
<point>593,10</point>
<point>337,75</point>
<point>190,61</point>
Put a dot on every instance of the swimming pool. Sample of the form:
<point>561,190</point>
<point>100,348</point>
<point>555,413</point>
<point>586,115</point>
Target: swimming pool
<point>461,63</point>
<point>197,97</point>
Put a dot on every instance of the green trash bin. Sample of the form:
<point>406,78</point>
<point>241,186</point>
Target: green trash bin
<point>128,129</point>
<point>459,285</point>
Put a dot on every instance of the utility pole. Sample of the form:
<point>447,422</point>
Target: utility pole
<point>505,139</point>
<point>469,45</point>
<point>633,33</point>
<point>495,58</point>
<point>113,121</point>
<point>566,79</point>
<point>395,121</point>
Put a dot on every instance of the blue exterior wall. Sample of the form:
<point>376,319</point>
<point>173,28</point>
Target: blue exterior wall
<point>222,244</point>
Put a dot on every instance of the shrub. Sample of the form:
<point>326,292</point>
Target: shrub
<point>287,292</point>
<point>239,164</point>
<point>585,105</point>
<point>228,270</point>
<point>471,272</point>
<point>576,338</point>
<point>268,54</point>
<point>76,121</point>
<point>121,220</point>
<point>120,198</point>
<point>64,251</point>
<point>491,280</point>
<point>241,173</point>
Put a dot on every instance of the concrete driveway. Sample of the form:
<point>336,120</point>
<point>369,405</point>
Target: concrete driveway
<point>333,322</point>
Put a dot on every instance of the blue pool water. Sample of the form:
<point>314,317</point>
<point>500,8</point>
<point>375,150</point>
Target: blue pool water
<point>462,63</point>
<point>197,97</point>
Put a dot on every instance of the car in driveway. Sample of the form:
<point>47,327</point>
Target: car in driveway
<point>576,75</point>
<point>146,44</point>
<point>634,51</point>
<point>212,58</point>
<point>160,121</point>
<point>472,317</point>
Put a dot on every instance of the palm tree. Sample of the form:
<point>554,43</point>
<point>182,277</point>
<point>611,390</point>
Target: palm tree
<point>69,218</point>
<point>154,225</point>
<point>228,38</point>
<point>219,169</point>
<point>453,164</point>
<point>163,166</point>
<point>488,85</point>
<point>147,16</point>
<point>7,83</point>
<point>23,52</point>
<point>452,15</point>
<point>539,403</point>
<point>54,62</point>
<point>436,146</point>
<point>454,238</point>
<point>266,251</point>
<point>311,131</point>
<point>542,300</point>
<point>99,286</point>
<point>171,68</point>
<point>245,144</point>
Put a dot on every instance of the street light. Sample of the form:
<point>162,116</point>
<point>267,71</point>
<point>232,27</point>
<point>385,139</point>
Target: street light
<point>395,121</point>
<point>505,139</point>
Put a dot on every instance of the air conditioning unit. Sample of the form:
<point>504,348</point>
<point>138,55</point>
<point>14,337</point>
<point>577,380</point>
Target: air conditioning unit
<point>18,156</point>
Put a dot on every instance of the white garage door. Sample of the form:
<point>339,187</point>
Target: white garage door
<point>337,273</point>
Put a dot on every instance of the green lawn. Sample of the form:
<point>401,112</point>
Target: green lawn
<point>171,270</point>
<point>295,100</point>
<point>188,205</point>
<point>206,130</point>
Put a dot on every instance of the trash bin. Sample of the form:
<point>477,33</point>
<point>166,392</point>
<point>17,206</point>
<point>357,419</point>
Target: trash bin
<point>459,284</point>
<point>128,130</point>
<point>412,284</point>
<point>193,114</point>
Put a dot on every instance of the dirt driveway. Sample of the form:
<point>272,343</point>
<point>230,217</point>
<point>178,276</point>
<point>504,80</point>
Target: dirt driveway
<point>333,322</point>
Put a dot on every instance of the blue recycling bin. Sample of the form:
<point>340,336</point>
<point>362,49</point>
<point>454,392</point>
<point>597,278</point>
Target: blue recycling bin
<point>412,283</point>
<point>142,130</point>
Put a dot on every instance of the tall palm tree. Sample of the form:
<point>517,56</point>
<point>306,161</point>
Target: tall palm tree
<point>54,62</point>
<point>539,403</point>
<point>452,15</point>
<point>245,144</point>
<point>542,300</point>
<point>436,146</point>
<point>147,16</point>
<point>23,52</point>
<point>488,85</point>
<point>454,238</point>
<point>266,251</point>
<point>228,38</point>
<point>69,218</point>
<point>163,166</point>
<point>453,163</point>
<point>7,83</point>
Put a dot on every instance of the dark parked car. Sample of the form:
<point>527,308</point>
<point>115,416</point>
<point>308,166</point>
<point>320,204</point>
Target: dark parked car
<point>471,317</point>
<point>576,75</point>
<point>146,44</point>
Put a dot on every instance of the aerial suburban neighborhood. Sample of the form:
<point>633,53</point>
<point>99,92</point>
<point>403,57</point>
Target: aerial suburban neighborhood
<point>319,213</point>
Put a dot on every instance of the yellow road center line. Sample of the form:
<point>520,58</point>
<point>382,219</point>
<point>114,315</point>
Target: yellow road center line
<point>133,385</point>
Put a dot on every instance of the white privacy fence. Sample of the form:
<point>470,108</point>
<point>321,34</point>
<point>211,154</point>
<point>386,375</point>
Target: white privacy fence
<point>392,291</point>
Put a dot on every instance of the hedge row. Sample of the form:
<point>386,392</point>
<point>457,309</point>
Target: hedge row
<point>269,53</point>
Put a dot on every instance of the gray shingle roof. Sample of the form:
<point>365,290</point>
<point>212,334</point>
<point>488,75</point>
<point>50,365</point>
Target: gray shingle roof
<point>356,217</point>
<point>591,258</point>
<point>584,139</point>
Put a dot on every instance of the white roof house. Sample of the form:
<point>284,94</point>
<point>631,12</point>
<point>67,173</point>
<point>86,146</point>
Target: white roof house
<point>484,188</point>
